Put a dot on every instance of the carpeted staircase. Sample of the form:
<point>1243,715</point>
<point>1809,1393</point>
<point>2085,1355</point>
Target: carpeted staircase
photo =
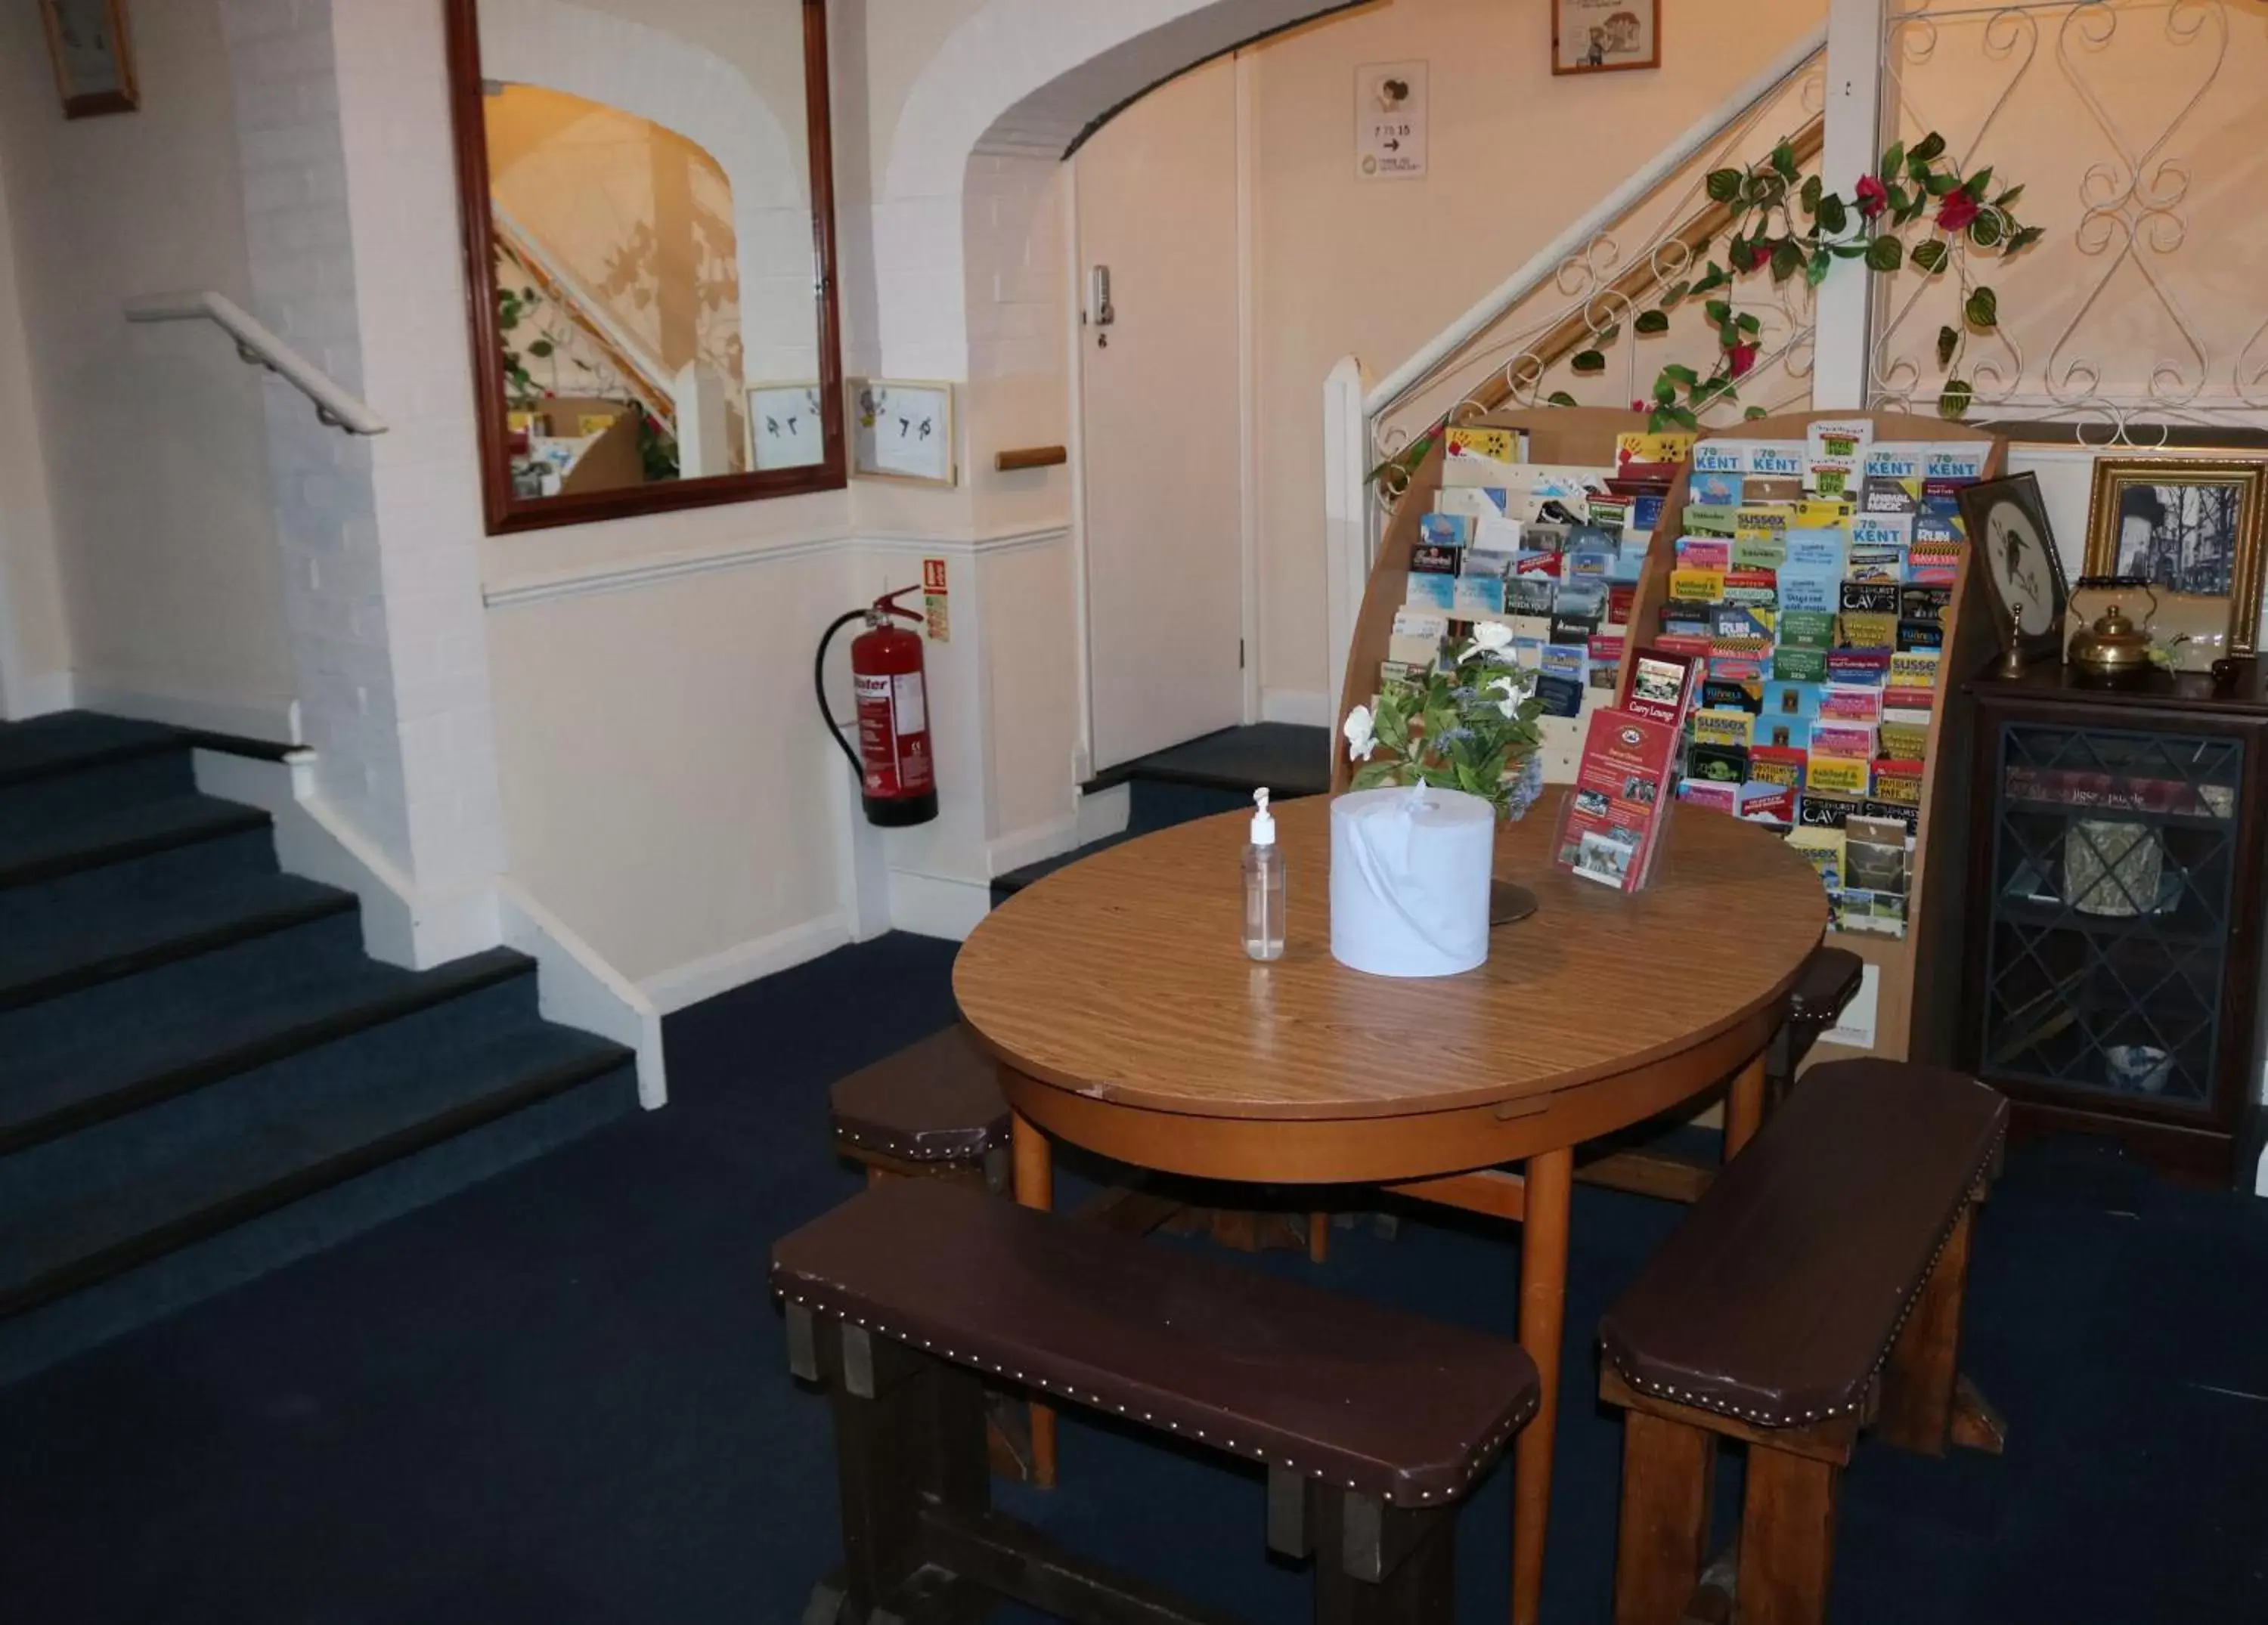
<point>202,1075</point>
<point>1215,774</point>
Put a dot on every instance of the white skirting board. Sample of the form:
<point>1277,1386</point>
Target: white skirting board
<point>403,925</point>
<point>578,988</point>
<point>938,905</point>
<point>706,977</point>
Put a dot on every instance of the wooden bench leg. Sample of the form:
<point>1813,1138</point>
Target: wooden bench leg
<point>1377,1565</point>
<point>1035,1187</point>
<point>909,1433</point>
<point>1670,1471</point>
<point>1922,1375</point>
<point>1787,1539</point>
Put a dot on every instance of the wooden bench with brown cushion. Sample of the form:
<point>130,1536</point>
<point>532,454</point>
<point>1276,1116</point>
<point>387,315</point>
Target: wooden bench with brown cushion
<point>1372,1423</point>
<point>933,1109</point>
<point>1814,1289</point>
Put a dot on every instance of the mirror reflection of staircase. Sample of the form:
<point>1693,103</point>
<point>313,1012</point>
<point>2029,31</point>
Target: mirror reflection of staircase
<point>202,1075</point>
<point>1214,773</point>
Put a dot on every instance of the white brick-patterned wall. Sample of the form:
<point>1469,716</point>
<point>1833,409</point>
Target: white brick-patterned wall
<point>300,247</point>
<point>350,219</point>
<point>394,118</point>
<point>1012,235</point>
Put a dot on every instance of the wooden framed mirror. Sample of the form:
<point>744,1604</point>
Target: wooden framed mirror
<point>648,203</point>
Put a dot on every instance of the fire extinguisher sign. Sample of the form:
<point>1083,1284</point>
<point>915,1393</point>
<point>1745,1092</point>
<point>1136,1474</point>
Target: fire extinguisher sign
<point>933,601</point>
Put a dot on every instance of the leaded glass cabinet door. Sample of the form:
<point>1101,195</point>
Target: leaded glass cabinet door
<point>2113,885</point>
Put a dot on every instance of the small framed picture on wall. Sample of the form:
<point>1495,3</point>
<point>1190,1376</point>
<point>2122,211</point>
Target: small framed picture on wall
<point>1601,36</point>
<point>787,428</point>
<point>94,63</point>
<point>902,429</point>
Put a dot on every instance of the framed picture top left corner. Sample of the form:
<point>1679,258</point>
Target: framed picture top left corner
<point>93,56</point>
<point>643,336</point>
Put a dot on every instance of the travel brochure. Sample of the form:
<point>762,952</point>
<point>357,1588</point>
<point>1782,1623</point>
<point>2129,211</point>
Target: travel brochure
<point>1611,824</point>
<point>1554,551</point>
<point>1811,586</point>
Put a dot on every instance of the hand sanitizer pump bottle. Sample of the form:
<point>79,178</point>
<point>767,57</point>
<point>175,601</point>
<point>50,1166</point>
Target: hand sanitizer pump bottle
<point>1263,886</point>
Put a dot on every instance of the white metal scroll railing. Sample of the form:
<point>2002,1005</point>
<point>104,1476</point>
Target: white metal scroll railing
<point>1571,272</point>
<point>260,346</point>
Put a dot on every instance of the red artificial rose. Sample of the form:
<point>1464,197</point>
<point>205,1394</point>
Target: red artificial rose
<point>1739,359</point>
<point>1873,196</point>
<point>1756,255</point>
<point>1638,406</point>
<point>1958,209</point>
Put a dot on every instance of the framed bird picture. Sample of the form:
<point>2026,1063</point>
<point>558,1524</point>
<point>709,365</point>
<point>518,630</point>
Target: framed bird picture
<point>902,429</point>
<point>2015,564</point>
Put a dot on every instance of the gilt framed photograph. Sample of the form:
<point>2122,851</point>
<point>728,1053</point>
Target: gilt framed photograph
<point>1602,36</point>
<point>902,429</point>
<point>2013,560</point>
<point>95,61</point>
<point>2191,525</point>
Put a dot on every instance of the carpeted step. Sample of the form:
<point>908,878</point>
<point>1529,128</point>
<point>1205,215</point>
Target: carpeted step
<point>47,845</point>
<point>86,1272</point>
<point>74,742</point>
<point>70,1028</point>
<point>1155,805</point>
<point>61,799</point>
<point>66,1076</point>
<point>286,1154</point>
<point>123,1153</point>
<point>169,925</point>
<point>1290,758</point>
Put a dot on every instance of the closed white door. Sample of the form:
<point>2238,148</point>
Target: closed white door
<point>1157,206</point>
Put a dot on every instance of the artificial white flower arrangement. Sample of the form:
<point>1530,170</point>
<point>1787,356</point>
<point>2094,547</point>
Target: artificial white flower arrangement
<point>1469,726</point>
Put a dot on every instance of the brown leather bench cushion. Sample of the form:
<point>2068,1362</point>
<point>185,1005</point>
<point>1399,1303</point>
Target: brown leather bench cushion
<point>1829,980</point>
<point>1332,1388</point>
<point>938,1100</point>
<point>1782,1290</point>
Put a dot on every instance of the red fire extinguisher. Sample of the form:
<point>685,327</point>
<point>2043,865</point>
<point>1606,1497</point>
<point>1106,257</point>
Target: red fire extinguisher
<point>897,779</point>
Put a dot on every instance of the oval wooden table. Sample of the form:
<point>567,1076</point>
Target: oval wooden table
<point>1117,995</point>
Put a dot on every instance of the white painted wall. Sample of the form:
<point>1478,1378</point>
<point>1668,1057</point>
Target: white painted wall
<point>153,437</point>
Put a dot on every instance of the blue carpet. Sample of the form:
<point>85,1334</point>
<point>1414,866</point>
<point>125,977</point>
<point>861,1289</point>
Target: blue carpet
<point>561,1396</point>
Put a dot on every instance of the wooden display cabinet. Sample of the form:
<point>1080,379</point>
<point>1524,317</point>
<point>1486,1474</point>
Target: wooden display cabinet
<point>2115,873</point>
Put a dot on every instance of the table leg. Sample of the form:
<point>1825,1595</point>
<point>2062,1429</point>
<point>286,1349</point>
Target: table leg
<point>1035,1187</point>
<point>1744,1108</point>
<point>1542,1317</point>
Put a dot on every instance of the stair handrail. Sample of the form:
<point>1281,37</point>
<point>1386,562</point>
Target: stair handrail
<point>1421,368</point>
<point>258,345</point>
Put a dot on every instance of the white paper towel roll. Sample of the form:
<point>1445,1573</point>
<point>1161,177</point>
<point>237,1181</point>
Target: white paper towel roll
<point>1409,880</point>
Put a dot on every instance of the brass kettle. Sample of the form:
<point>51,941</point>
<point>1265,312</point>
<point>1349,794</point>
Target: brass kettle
<point>2112,649</point>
